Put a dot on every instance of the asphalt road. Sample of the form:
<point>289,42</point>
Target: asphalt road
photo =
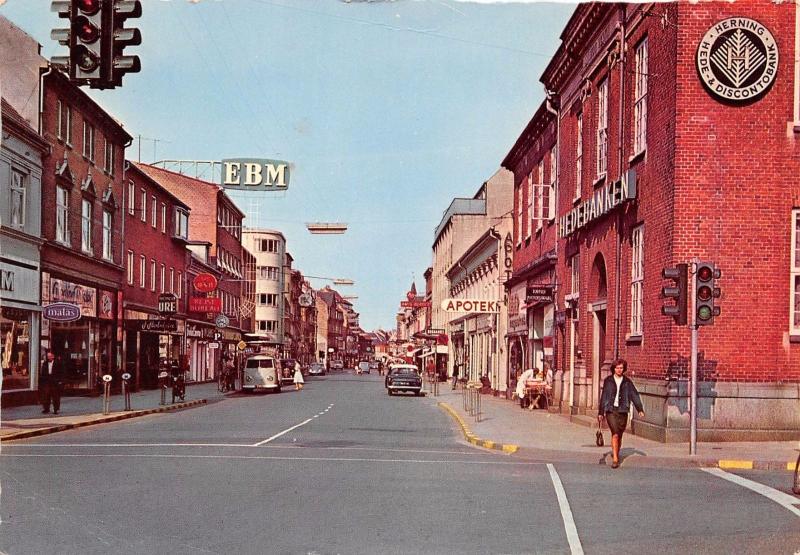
<point>341,467</point>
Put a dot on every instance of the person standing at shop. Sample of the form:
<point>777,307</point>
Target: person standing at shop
<point>615,401</point>
<point>51,374</point>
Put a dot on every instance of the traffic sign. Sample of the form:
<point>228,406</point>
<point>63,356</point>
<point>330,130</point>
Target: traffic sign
<point>107,378</point>
<point>241,345</point>
<point>222,321</point>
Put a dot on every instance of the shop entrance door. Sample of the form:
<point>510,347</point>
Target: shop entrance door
<point>599,352</point>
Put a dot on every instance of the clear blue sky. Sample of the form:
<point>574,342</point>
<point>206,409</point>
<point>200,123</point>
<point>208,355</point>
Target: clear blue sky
<point>387,110</point>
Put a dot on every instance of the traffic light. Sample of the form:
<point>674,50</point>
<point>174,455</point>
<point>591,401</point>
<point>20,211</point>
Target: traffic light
<point>62,36</point>
<point>678,291</point>
<point>86,41</point>
<point>705,291</point>
<point>120,37</point>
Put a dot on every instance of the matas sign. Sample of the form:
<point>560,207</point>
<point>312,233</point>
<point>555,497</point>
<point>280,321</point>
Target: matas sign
<point>470,305</point>
<point>255,174</point>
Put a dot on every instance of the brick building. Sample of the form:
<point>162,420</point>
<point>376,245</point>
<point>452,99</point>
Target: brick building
<point>670,148</point>
<point>156,234</point>
<point>82,227</point>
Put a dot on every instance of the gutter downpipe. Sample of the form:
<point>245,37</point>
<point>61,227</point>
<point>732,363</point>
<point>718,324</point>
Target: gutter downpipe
<point>620,150</point>
<point>557,113</point>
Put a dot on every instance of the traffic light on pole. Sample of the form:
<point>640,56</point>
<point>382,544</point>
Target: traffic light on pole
<point>678,291</point>
<point>705,292</point>
<point>121,37</point>
<point>86,41</point>
<point>62,36</point>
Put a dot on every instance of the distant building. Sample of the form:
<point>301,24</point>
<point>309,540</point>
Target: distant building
<point>268,248</point>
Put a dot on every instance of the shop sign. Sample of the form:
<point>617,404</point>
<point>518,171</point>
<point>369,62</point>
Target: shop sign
<point>213,345</point>
<point>737,60</point>
<point>470,305</point>
<point>255,174</point>
<point>62,312</point>
<point>221,321</point>
<point>19,281</point>
<point>603,201</point>
<point>205,304</point>
<point>167,303</point>
<point>105,305</point>
<point>305,300</point>
<point>198,332</point>
<point>508,260</point>
<point>205,283</point>
<point>157,325</point>
<point>58,290</point>
<point>539,294</point>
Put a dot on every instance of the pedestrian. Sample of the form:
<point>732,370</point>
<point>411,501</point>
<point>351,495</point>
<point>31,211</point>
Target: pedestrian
<point>615,401</point>
<point>522,389</point>
<point>455,375</point>
<point>51,374</point>
<point>298,377</point>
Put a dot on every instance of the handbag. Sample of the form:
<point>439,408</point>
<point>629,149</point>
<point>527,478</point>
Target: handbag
<point>598,439</point>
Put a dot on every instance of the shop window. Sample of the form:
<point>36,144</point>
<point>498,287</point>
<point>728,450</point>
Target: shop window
<point>794,303</point>
<point>640,100</point>
<point>62,215</point>
<point>579,159</point>
<point>15,345</point>
<point>17,198</point>
<point>637,279</point>
<point>602,128</point>
<point>107,250</point>
<point>86,226</point>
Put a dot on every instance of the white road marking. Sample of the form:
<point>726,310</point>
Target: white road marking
<point>470,452</point>
<point>286,431</point>
<point>575,546</point>
<point>783,499</point>
<point>263,457</point>
<point>8,445</point>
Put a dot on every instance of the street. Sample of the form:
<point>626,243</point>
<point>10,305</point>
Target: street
<point>340,467</point>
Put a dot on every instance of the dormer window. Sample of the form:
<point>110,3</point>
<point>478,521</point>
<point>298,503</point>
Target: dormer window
<point>181,223</point>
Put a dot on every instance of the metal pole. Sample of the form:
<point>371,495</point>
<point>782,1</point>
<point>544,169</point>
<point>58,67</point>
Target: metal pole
<point>693,370</point>
<point>106,399</point>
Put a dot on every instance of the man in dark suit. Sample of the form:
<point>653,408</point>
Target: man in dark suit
<point>50,376</point>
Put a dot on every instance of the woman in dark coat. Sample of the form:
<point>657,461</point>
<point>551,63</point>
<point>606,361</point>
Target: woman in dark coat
<point>615,401</point>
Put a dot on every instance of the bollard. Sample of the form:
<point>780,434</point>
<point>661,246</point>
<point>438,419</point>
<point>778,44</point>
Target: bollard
<point>106,394</point>
<point>478,410</point>
<point>126,390</point>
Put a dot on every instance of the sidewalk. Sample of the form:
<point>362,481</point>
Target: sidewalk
<point>76,412</point>
<point>504,425</point>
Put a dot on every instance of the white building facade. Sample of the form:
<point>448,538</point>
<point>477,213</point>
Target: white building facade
<point>269,249</point>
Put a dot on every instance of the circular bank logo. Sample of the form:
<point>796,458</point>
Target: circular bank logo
<point>737,59</point>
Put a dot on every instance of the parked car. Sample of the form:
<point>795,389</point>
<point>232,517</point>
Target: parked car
<point>403,377</point>
<point>363,367</point>
<point>373,365</point>
<point>337,365</point>
<point>316,369</point>
<point>261,372</point>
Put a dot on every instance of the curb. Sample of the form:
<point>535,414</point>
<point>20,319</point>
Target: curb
<point>475,440</point>
<point>104,420</point>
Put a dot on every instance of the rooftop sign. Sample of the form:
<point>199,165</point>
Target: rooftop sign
<point>255,174</point>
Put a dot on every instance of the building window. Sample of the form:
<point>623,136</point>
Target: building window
<point>268,245</point>
<point>130,267</point>
<point>579,159</point>
<point>86,226</point>
<point>62,215</point>
<point>520,211</point>
<point>163,218</point>
<point>109,158</point>
<point>602,128</point>
<point>142,271</point>
<point>180,284</point>
<point>268,272</point>
<point>181,224</point>
<point>64,125</point>
<point>88,141</point>
<point>268,299</point>
<point>163,278</point>
<point>131,198</point>
<point>144,206</point>
<point>637,279</point>
<point>107,254</point>
<point>153,211</point>
<point>172,280</point>
<point>530,210</point>
<point>640,108</point>
<point>575,276</point>
<point>152,275</point>
<point>539,207</point>
<point>794,317</point>
<point>268,325</point>
<point>17,198</point>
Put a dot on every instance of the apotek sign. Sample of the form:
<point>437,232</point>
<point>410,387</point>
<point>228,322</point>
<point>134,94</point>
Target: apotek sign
<point>470,305</point>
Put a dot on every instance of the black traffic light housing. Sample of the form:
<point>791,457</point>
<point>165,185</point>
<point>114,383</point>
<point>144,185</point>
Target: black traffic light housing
<point>705,291</point>
<point>87,29</point>
<point>678,291</point>
<point>120,37</point>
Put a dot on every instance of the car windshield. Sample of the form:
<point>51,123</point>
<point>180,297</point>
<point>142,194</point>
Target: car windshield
<point>261,363</point>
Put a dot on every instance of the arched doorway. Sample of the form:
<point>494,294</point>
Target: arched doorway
<point>598,305</point>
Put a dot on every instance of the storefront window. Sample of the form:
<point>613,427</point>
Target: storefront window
<point>15,340</point>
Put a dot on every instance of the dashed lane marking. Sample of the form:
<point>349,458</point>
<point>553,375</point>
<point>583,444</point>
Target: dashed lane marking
<point>286,431</point>
<point>783,499</point>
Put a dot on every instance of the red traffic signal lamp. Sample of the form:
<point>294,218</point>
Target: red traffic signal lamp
<point>678,291</point>
<point>86,41</point>
<point>706,290</point>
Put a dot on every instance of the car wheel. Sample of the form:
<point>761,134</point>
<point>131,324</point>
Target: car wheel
<point>390,392</point>
<point>416,393</point>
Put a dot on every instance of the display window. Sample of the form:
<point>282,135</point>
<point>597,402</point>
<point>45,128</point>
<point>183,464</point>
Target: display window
<point>15,348</point>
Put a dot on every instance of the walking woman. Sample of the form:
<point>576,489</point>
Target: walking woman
<point>615,401</point>
<point>298,377</point>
